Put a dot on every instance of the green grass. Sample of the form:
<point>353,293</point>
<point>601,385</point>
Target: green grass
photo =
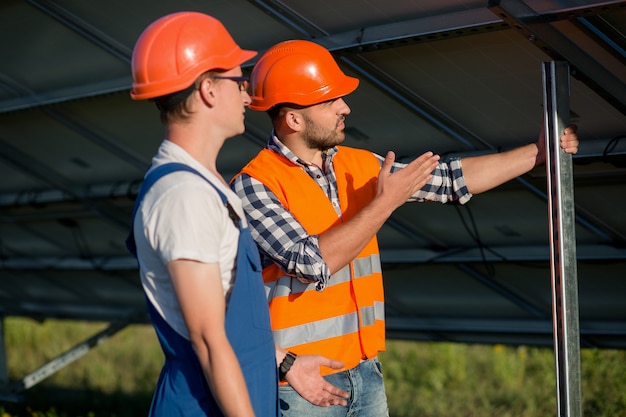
<point>423,379</point>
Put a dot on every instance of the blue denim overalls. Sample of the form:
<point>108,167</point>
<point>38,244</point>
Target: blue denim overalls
<point>182,389</point>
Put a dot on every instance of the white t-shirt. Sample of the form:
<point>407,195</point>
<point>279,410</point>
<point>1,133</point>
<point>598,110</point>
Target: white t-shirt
<point>183,217</point>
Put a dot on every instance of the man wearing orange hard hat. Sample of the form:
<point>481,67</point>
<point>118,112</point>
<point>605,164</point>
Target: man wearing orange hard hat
<point>195,268</point>
<point>198,265</point>
<point>314,208</point>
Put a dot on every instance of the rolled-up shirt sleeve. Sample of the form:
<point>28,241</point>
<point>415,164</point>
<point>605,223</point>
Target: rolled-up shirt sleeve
<point>447,183</point>
<point>280,237</point>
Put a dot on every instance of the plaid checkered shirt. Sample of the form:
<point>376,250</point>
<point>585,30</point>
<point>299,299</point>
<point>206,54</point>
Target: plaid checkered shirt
<point>282,239</point>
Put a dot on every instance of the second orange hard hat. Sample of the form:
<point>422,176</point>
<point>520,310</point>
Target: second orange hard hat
<point>176,49</point>
<point>299,72</point>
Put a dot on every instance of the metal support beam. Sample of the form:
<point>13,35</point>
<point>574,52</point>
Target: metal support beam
<point>16,390</point>
<point>30,100</point>
<point>29,165</point>
<point>84,29</point>
<point>112,145</point>
<point>412,101</point>
<point>562,241</point>
<point>538,30</point>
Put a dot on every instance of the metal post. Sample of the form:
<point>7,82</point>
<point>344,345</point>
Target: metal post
<point>562,241</point>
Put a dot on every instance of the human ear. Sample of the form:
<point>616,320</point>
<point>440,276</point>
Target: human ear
<point>206,90</point>
<point>294,120</point>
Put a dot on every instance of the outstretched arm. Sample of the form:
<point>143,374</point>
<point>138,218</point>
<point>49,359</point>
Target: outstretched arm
<point>485,172</point>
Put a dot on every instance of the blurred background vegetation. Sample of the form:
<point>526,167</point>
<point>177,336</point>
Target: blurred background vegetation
<point>423,379</point>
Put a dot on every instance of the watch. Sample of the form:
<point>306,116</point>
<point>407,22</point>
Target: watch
<point>285,365</point>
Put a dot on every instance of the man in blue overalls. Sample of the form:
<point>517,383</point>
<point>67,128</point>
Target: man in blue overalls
<point>199,267</point>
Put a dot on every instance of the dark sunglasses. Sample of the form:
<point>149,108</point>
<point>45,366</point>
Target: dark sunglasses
<point>242,81</point>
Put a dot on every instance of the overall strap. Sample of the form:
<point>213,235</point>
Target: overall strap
<point>152,177</point>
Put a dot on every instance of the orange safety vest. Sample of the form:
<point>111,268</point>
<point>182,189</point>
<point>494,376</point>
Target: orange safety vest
<point>345,321</point>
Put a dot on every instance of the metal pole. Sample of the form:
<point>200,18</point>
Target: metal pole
<point>562,241</point>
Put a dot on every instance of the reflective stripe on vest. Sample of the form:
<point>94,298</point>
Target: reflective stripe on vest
<point>329,328</point>
<point>345,321</point>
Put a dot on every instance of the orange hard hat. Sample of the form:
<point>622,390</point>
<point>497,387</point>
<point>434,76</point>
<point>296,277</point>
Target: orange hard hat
<point>299,72</point>
<point>176,49</point>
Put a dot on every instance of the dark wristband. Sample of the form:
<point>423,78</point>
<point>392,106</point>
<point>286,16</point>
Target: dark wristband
<point>285,365</point>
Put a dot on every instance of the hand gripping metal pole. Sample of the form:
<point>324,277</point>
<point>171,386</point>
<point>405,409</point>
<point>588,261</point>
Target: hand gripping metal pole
<point>562,241</point>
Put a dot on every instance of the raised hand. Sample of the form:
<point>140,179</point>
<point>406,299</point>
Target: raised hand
<point>397,187</point>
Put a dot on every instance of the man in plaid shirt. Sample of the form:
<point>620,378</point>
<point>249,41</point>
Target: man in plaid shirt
<point>301,88</point>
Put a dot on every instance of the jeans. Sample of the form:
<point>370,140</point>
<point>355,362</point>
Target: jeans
<point>365,385</point>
